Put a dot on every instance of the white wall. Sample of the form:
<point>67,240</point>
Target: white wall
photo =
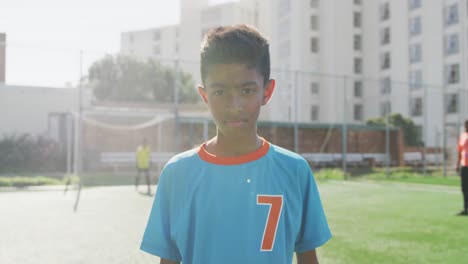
<point>25,109</point>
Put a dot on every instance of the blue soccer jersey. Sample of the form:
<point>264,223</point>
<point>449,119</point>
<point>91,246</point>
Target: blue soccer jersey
<point>257,208</point>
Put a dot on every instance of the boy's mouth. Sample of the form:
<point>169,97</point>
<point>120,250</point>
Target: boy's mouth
<point>236,123</point>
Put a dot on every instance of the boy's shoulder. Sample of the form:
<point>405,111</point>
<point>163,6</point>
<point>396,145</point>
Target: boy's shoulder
<point>286,154</point>
<point>288,158</point>
<point>185,157</point>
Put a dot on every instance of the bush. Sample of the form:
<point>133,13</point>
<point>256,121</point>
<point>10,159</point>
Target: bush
<point>27,154</point>
<point>5,182</point>
<point>329,174</point>
<point>28,181</point>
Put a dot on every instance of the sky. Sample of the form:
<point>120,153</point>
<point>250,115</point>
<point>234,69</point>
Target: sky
<point>49,42</point>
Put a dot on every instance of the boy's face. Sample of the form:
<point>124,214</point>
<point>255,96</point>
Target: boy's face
<point>234,94</point>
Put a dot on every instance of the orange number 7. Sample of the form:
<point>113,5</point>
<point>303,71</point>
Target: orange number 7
<point>276,204</point>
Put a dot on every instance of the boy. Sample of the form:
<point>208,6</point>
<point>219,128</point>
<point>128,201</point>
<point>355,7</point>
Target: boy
<point>143,161</point>
<point>237,198</point>
<point>462,160</point>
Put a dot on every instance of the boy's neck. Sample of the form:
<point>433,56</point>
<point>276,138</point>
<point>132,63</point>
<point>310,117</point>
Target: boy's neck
<point>231,147</point>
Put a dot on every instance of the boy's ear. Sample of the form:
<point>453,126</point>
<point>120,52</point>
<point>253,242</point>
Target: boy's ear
<point>203,94</point>
<point>268,91</point>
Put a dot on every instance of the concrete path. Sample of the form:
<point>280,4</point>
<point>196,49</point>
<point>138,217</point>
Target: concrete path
<point>39,226</point>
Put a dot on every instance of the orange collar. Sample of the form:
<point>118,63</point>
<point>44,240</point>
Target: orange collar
<point>257,154</point>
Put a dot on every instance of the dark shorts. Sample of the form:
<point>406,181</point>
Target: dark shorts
<point>464,179</point>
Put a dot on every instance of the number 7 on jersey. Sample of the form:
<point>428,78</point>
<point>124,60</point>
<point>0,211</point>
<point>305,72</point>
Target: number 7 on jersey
<point>276,205</point>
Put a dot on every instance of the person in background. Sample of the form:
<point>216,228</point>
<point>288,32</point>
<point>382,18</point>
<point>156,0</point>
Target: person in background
<point>143,162</point>
<point>462,167</point>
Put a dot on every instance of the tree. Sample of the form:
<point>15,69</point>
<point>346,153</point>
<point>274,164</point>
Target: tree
<point>412,137</point>
<point>123,78</point>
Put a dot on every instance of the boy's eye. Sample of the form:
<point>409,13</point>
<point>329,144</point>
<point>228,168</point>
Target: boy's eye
<point>218,92</point>
<point>248,90</point>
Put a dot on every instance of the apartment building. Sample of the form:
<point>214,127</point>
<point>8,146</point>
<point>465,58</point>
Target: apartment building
<point>417,51</point>
<point>341,60</point>
<point>181,42</point>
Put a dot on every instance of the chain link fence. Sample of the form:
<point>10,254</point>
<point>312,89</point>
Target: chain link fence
<point>97,107</point>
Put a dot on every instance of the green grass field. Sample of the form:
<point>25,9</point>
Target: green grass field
<point>405,218</point>
<point>408,175</point>
<point>403,174</point>
<point>393,223</point>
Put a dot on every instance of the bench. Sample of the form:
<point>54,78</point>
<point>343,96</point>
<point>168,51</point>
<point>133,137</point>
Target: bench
<point>413,158</point>
<point>320,160</point>
<point>128,160</point>
<point>355,159</point>
<point>434,158</point>
<point>379,158</point>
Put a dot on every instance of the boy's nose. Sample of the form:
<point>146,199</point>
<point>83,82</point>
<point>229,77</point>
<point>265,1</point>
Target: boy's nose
<point>235,102</point>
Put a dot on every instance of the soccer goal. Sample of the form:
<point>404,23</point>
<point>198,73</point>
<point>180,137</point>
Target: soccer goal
<point>106,140</point>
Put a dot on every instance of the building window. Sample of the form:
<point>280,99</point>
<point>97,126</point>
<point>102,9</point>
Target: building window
<point>314,3</point>
<point>416,106</point>
<point>314,112</point>
<point>358,112</point>
<point>415,26</point>
<point>357,19</point>
<point>385,62</point>
<point>415,79</point>
<point>451,14</point>
<point>357,65</point>
<point>415,53</point>
<point>284,49</point>
<point>157,35</point>
<point>413,4</point>
<point>176,48</point>
<point>419,133</point>
<point>210,15</point>
<point>314,88</point>
<point>385,36</point>
<point>385,108</point>
<point>314,23</point>
<point>357,44</point>
<point>177,32</point>
<point>357,89</point>
<point>385,11</point>
<point>131,38</point>
<point>284,28</point>
<point>451,44</point>
<point>453,73</point>
<point>385,86</point>
<point>284,6</point>
<point>156,50</point>
<point>451,103</point>
<point>314,45</point>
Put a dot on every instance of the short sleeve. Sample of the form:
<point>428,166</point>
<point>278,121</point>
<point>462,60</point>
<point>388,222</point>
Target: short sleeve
<point>459,144</point>
<point>157,238</point>
<point>314,231</point>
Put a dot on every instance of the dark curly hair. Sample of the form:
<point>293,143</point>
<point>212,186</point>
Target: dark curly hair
<point>235,44</point>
